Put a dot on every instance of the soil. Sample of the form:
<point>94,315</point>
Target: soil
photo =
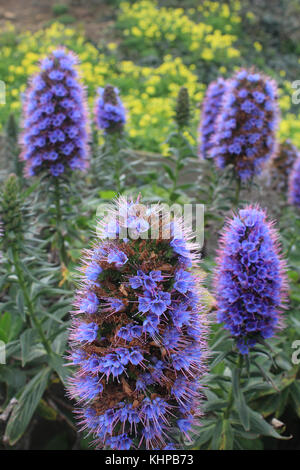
<point>96,17</point>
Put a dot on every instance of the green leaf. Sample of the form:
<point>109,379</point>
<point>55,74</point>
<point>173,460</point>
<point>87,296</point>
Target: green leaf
<point>5,327</point>
<point>204,435</point>
<point>20,304</point>
<point>59,365</point>
<point>46,411</point>
<point>258,424</point>
<point>239,399</point>
<point>107,194</point>
<point>216,440</point>
<point>226,442</point>
<point>169,171</point>
<point>267,377</point>
<point>27,340</point>
<point>27,403</point>
<point>12,377</point>
<point>293,275</point>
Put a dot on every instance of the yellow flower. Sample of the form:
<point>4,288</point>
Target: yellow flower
<point>257,46</point>
<point>136,31</point>
<point>112,46</point>
<point>132,132</point>
<point>207,54</point>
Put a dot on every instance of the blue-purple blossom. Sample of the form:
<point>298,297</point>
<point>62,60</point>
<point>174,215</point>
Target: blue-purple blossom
<point>89,302</point>
<point>210,109</point>
<point>86,332</point>
<point>117,257</point>
<point>184,281</point>
<point>137,339</point>
<point>55,125</point>
<point>250,284</point>
<point>245,128</point>
<point>110,113</point>
<point>93,271</point>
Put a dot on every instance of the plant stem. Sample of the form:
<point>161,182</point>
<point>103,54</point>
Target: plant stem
<point>35,321</point>
<point>174,187</point>
<point>239,366</point>
<point>177,167</point>
<point>58,216</point>
<point>116,155</point>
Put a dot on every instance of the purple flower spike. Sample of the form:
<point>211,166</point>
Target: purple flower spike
<point>245,128</point>
<point>55,125</point>
<point>138,335</point>
<point>210,109</point>
<point>250,280</point>
<point>110,113</point>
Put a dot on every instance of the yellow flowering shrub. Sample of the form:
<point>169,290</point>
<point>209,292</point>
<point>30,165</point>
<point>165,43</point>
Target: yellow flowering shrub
<point>153,30</point>
<point>206,34</point>
<point>148,92</point>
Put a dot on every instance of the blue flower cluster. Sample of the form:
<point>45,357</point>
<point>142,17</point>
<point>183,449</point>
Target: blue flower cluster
<point>210,109</point>
<point>109,110</point>
<point>55,123</point>
<point>138,337</point>
<point>294,184</point>
<point>250,281</point>
<point>245,129</point>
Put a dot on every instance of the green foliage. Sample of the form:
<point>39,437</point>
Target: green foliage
<point>60,9</point>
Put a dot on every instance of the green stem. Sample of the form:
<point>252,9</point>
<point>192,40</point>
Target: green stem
<point>115,148</point>
<point>174,187</point>
<point>58,215</point>
<point>30,308</point>
<point>178,163</point>
<point>239,366</point>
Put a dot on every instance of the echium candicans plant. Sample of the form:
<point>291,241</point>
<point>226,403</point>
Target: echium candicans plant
<point>250,279</point>
<point>138,336</point>
<point>110,118</point>
<point>245,131</point>
<point>179,142</point>
<point>210,109</point>
<point>30,320</point>
<point>55,129</point>
<point>11,212</point>
<point>15,248</point>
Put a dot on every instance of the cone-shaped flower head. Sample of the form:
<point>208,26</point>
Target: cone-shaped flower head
<point>137,337</point>
<point>250,283</point>
<point>246,124</point>
<point>182,109</point>
<point>11,210</point>
<point>294,184</point>
<point>282,165</point>
<point>55,123</point>
<point>110,113</point>
<point>210,109</point>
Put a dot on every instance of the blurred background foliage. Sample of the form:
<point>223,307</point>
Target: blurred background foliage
<point>150,50</point>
